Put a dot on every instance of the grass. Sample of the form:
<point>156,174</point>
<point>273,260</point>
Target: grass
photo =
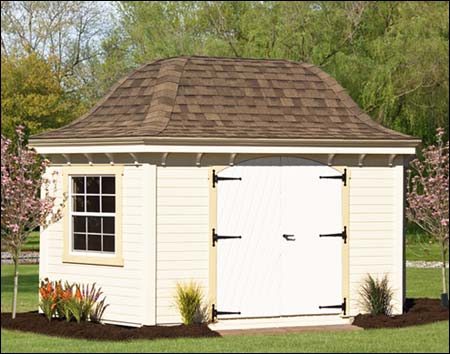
<point>421,283</point>
<point>32,243</point>
<point>423,252</point>
<point>428,338</point>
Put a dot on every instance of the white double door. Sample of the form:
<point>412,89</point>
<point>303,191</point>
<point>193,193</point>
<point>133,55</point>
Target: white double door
<point>280,266</point>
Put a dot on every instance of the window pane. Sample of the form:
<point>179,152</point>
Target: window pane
<point>94,243</point>
<point>94,224</point>
<point>78,203</point>
<point>108,225</point>
<point>108,243</point>
<point>93,184</point>
<point>78,185</point>
<point>93,203</point>
<point>108,204</point>
<point>108,185</point>
<point>79,242</point>
<point>79,224</point>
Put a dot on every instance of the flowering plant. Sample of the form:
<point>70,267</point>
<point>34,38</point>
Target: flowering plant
<point>48,298</point>
<point>71,301</point>
<point>427,196</point>
<point>28,199</point>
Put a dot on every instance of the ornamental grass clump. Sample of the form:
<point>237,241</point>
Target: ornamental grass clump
<point>71,301</point>
<point>189,298</point>
<point>376,296</point>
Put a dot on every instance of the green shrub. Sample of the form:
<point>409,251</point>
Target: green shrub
<point>376,296</point>
<point>189,298</point>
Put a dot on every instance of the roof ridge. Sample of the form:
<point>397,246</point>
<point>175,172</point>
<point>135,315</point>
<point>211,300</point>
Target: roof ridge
<point>164,93</point>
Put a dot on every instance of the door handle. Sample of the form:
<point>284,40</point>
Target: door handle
<point>289,237</point>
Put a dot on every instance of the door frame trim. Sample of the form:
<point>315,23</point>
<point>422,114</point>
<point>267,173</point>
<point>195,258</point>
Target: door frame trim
<point>345,259</point>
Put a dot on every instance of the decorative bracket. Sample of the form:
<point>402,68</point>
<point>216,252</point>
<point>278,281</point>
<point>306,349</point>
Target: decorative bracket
<point>330,159</point>
<point>391,159</point>
<point>232,159</point>
<point>110,157</point>
<point>198,159</point>
<point>89,158</point>
<point>164,158</point>
<point>67,158</point>
<point>134,157</point>
<point>361,159</point>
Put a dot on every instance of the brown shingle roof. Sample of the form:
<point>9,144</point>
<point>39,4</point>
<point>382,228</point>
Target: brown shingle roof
<point>208,97</point>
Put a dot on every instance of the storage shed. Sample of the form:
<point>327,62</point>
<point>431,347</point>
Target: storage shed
<point>262,180</point>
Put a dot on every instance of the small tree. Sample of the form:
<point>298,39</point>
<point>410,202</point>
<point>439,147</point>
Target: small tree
<point>427,197</point>
<point>26,199</point>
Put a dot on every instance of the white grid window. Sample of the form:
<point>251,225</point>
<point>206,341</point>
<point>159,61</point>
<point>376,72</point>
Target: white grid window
<point>93,213</point>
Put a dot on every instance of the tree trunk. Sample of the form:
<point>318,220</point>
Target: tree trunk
<point>444,295</point>
<point>16,283</point>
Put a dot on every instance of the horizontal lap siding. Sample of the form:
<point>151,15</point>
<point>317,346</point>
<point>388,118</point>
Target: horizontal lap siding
<point>375,240</point>
<point>182,234</point>
<point>122,286</point>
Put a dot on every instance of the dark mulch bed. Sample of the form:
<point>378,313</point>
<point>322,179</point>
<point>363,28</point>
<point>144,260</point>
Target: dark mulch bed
<point>418,311</point>
<point>34,322</point>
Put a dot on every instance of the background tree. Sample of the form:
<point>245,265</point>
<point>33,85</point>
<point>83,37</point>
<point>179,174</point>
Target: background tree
<point>31,93</point>
<point>428,199</point>
<point>27,201</point>
<point>63,39</point>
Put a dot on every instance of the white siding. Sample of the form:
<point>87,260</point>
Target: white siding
<point>128,288</point>
<point>183,234</point>
<point>376,221</point>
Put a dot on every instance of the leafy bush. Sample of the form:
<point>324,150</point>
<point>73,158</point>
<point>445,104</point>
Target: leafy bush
<point>71,301</point>
<point>189,298</point>
<point>376,296</point>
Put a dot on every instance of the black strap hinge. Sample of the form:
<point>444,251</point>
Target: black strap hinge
<point>342,306</point>
<point>216,179</point>
<point>342,234</point>
<point>215,312</point>
<point>216,237</point>
<point>342,177</point>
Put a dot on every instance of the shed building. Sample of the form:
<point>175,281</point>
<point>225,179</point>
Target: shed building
<point>262,180</point>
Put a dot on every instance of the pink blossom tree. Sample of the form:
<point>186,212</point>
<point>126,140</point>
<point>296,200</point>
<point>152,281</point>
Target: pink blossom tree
<point>427,197</point>
<point>26,199</point>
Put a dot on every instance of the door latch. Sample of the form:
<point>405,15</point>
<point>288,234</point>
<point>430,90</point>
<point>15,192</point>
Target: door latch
<point>289,237</point>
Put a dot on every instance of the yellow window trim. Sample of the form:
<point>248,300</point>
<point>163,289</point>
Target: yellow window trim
<point>106,260</point>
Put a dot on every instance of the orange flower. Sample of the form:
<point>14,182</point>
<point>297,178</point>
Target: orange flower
<point>49,287</point>
<point>78,294</point>
<point>43,293</point>
<point>67,294</point>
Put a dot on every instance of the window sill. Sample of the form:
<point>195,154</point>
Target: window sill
<point>115,261</point>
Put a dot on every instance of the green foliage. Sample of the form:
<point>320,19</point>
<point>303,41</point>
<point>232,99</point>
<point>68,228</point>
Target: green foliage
<point>189,298</point>
<point>376,296</point>
<point>31,95</point>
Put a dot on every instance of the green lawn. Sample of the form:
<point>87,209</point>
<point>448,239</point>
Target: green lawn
<point>423,252</point>
<point>421,283</point>
<point>32,242</point>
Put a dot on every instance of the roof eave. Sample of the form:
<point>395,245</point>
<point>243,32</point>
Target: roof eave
<point>407,142</point>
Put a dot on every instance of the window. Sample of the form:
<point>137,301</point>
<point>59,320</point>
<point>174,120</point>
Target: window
<point>93,213</point>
